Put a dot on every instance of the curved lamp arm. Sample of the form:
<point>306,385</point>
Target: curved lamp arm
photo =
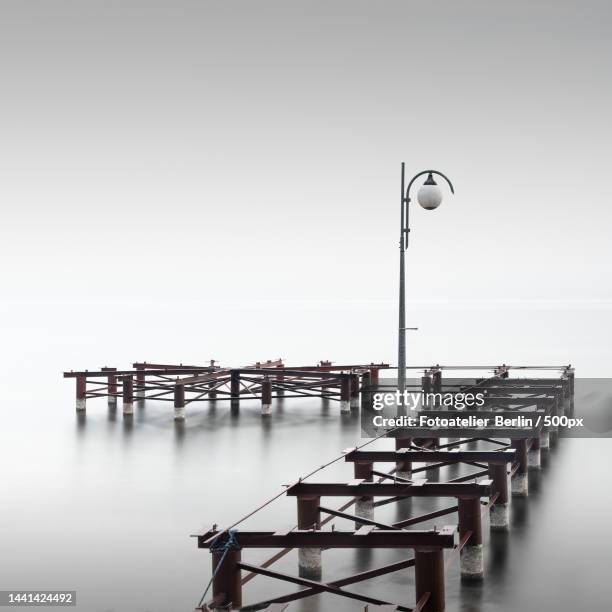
<point>406,200</point>
<point>416,176</point>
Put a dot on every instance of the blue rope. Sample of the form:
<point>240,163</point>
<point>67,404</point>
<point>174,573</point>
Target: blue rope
<point>230,543</point>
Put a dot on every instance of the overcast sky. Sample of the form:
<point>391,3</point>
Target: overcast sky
<point>186,180</point>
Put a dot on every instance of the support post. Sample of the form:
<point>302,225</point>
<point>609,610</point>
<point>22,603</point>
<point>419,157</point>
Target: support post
<point>266,396</point>
<point>127,383</point>
<point>533,456</point>
<point>280,378</point>
<point>179,402</point>
<point>403,469</point>
<point>557,411</point>
<point>570,380</point>
<point>553,430</point>
<point>212,392</point>
<point>111,386</point>
<point>544,441</point>
<point>374,376</point>
<point>520,480</point>
<point>429,578</point>
<point>354,390</point>
<point>325,367</point>
<point>345,393</point>
<point>437,381</point>
<point>499,514</point>
<point>425,387</point>
<point>226,581</point>
<point>81,393</point>
<point>429,385</point>
<point>471,554</point>
<point>364,506</point>
<point>235,388</point>
<point>140,382</point>
<point>309,518</point>
<point>366,391</point>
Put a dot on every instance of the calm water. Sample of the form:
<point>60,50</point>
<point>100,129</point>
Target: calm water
<point>106,507</point>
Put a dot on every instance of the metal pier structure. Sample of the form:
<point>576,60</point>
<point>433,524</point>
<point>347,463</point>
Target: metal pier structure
<point>265,381</point>
<point>502,458</point>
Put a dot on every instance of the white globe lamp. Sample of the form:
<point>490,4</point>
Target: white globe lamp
<point>429,195</point>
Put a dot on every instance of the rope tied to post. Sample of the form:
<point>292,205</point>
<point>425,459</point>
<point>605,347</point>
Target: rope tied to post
<point>221,545</point>
<point>230,543</point>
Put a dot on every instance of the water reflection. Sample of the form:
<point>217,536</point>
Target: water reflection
<point>519,513</point>
<point>112,413</point>
<point>81,421</point>
<point>128,426</point>
<point>211,484</point>
<point>497,554</point>
<point>472,596</point>
<point>179,433</point>
<point>363,559</point>
<point>279,405</point>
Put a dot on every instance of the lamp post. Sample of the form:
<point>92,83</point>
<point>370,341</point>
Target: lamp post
<point>429,197</point>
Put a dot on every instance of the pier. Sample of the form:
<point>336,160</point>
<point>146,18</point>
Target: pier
<point>265,381</point>
<point>498,461</point>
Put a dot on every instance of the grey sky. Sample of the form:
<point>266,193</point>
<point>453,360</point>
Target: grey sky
<point>221,178</point>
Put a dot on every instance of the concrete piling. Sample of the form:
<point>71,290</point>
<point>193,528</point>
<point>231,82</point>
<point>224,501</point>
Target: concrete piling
<point>354,391</point>
<point>266,396</point>
<point>235,389</point>
<point>81,393</point>
<point>309,518</point>
<point>403,469</point>
<point>364,506</point>
<point>544,440</point>
<point>127,384</point>
<point>111,382</point>
<point>345,393</point>
<point>179,402</point>
<point>533,455</point>
<point>499,515</point>
<point>471,558</point>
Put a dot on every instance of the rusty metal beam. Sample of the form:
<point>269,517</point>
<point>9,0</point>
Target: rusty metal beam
<point>360,577</point>
<point>420,488</point>
<point>313,374</point>
<point>446,537</point>
<point>322,587</point>
<point>354,518</point>
<point>415,520</point>
<point>100,373</point>
<point>172,366</point>
<point>448,457</point>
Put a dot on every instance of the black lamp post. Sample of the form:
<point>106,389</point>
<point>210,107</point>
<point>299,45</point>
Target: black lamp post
<point>429,197</point>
